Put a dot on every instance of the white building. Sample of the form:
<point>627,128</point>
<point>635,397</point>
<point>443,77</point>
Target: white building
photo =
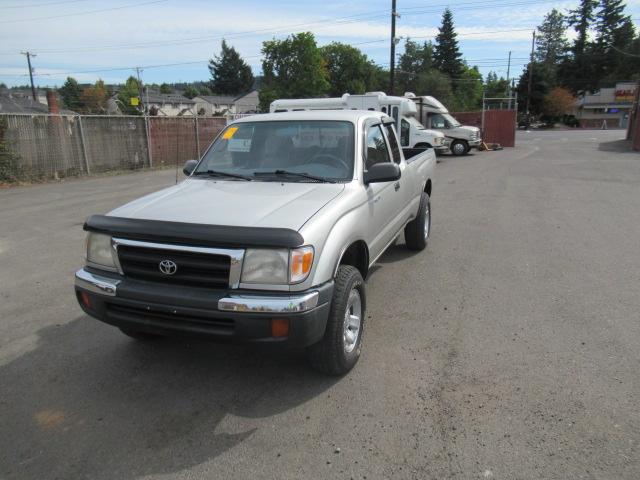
<point>608,106</point>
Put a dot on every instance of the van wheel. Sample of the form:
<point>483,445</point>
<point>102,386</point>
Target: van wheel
<point>339,349</point>
<point>138,335</point>
<point>459,147</point>
<point>417,231</point>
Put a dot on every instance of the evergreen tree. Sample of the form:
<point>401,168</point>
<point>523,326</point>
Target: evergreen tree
<point>71,94</point>
<point>191,92</point>
<point>166,88</point>
<point>230,74</point>
<point>551,42</point>
<point>495,87</point>
<point>292,68</point>
<point>581,19</point>
<point>614,35</point>
<point>417,59</point>
<point>446,53</point>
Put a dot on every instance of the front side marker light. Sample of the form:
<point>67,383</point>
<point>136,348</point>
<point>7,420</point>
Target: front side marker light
<point>300,263</point>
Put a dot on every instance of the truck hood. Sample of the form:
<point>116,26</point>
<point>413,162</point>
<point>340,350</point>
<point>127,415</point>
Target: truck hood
<point>235,203</point>
<point>463,131</point>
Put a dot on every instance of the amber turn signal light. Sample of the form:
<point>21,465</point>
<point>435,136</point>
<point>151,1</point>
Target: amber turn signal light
<point>280,327</point>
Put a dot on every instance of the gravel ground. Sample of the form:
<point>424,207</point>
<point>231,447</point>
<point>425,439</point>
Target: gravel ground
<point>509,349</point>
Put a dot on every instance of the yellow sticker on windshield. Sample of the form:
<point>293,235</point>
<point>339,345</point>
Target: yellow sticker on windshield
<point>229,133</point>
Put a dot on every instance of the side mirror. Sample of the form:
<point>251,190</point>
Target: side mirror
<point>382,172</point>
<point>189,167</point>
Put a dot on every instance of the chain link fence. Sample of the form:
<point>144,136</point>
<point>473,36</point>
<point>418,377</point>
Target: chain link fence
<point>40,147</point>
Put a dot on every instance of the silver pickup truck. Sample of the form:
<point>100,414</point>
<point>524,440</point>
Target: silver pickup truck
<point>268,240</point>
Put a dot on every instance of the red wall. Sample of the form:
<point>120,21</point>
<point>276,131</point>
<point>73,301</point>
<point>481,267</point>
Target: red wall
<point>499,125</point>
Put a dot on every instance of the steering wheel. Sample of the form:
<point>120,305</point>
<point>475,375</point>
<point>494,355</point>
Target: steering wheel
<point>335,160</point>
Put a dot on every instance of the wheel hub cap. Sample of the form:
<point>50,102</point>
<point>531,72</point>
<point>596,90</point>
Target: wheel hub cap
<point>427,221</point>
<point>352,321</point>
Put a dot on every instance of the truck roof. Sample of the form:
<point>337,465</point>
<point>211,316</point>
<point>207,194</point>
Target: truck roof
<point>344,115</point>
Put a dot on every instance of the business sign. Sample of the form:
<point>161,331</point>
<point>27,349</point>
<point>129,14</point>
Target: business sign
<point>626,94</point>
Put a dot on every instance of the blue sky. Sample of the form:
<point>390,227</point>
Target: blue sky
<point>173,39</point>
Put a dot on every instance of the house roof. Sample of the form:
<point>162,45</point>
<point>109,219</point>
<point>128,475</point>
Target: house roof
<point>218,99</point>
<point>165,98</point>
<point>13,104</point>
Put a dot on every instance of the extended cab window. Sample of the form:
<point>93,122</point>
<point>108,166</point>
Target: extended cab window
<point>393,142</point>
<point>437,120</point>
<point>263,150</point>
<point>405,133</point>
<point>377,151</point>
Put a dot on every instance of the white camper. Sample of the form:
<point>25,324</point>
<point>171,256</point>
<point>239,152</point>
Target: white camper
<point>411,132</point>
<point>435,115</point>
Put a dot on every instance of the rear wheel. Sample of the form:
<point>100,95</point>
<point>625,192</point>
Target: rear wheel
<point>138,335</point>
<point>339,349</point>
<point>417,231</point>
<point>459,147</point>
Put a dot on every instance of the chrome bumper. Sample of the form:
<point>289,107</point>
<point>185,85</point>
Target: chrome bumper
<point>259,304</point>
<point>96,283</point>
<point>475,143</point>
<point>233,303</point>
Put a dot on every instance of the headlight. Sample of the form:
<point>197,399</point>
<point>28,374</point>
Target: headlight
<point>438,140</point>
<point>99,250</point>
<point>265,266</point>
<point>276,267</point>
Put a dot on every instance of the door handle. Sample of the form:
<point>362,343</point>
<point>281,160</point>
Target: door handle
<point>397,186</point>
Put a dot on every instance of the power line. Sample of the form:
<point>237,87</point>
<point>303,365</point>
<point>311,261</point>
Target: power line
<point>41,4</point>
<point>83,13</point>
<point>332,22</point>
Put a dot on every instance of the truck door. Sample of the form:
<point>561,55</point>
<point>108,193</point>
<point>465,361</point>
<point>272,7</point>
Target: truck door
<point>405,187</point>
<point>383,197</point>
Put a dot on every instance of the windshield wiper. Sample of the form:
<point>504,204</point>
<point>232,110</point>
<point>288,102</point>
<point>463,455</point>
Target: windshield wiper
<point>220,173</point>
<point>296,174</point>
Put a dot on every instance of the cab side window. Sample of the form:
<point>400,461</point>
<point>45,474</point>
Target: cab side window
<point>377,151</point>
<point>437,121</point>
<point>393,143</point>
<point>405,132</point>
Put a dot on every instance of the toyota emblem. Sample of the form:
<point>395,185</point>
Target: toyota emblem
<point>168,267</point>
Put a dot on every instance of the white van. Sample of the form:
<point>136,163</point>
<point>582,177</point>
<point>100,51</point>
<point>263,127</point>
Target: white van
<point>411,132</point>
<point>435,115</point>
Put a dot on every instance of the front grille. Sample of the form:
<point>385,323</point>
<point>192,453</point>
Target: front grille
<point>180,320</point>
<point>194,269</point>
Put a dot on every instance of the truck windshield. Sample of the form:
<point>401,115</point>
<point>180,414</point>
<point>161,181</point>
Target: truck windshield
<point>261,151</point>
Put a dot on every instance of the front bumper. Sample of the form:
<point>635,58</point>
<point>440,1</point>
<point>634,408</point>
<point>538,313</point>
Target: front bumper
<point>224,315</point>
<point>474,143</point>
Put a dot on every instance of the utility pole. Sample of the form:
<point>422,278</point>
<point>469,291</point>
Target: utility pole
<point>529,87</point>
<point>508,72</point>
<point>33,89</point>
<point>392,63</point>
<point>138,70</point>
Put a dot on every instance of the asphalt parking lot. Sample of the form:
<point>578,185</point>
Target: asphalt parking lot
<point>509,349</point>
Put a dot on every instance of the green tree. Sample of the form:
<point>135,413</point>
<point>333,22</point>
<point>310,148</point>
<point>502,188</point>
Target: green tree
<point>416,60</point>
<point>541,85</point>
<point>495,87</point>
<point>130,89</point>
<point>71,94</point>
<point>551,41</point>
<point>230,74</point>
<point>292,68</point>
<point>446,52</point>
<point>349,70</point>
<point>614,35</point>
<point>204,90</point>
<point>581,19</point>
<point>166,88</point>
<point>468,90</point>
<point>191,92</point>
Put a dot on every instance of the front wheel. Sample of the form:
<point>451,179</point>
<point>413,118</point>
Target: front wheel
<point>339,349</point>
<point>417,231</point>
<point>459,147</point>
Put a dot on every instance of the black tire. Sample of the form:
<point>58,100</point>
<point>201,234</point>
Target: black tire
<point>459,148</point>
<point>414,232</point>
<point>330,354</point>
<point>138,335</point>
